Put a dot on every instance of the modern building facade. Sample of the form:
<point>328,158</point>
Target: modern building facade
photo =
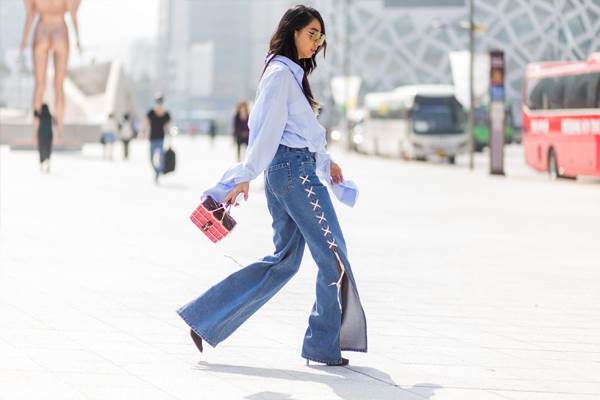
<point>386,43</point>
<point>395,42</point>
<point>211,51</point>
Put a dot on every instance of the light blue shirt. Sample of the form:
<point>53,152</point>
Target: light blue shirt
<point>282,115</point>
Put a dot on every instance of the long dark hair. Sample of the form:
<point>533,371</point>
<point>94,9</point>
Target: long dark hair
<point>282,43</point>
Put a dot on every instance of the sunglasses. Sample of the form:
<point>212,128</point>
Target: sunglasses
<point>317,37</point>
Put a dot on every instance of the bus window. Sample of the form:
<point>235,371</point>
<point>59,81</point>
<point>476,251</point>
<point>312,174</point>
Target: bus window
<point>388,110</point>
<point>556,93</point>
<point>539,93</point>
<point>534,94</point>
<point>596,95</point>
<point>575,91</point>
<point>581,90</point>
<point>437,115</point>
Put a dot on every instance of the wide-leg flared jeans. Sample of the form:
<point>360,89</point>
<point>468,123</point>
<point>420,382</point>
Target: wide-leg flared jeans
<point>302,214</point>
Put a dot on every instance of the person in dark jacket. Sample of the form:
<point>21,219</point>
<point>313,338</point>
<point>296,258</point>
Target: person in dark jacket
<point>155,125</point>
<point>241,133</point>
<point>44,136</point>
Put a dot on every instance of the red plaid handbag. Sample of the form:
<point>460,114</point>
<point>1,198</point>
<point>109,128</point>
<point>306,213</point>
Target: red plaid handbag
<point>213,219</point>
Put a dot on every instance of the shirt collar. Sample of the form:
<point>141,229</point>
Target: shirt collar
<point>295,68</point>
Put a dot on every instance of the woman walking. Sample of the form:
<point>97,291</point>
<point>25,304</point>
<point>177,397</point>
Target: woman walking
<point>126,133</point>
<point>44,136</point>
<point>288,143</point>
<point>110,128</point>
<point>241,131</point>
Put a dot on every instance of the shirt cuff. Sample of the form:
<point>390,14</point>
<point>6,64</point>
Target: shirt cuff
<point>234,175</point>
<point>346,192</point>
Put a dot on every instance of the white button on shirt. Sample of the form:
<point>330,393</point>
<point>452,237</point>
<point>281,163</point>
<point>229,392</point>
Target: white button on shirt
<point>282,115</point>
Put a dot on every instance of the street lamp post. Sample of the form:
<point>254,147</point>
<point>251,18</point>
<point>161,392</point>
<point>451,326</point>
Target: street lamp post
<point>470,25</point>
<point>471,81</point>
<point>347,5</point>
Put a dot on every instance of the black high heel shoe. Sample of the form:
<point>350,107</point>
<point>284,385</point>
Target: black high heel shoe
<point>345,361</point>
<point>197,339</point>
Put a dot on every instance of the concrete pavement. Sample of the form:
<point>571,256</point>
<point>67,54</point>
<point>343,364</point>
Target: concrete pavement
<point>475,287</point>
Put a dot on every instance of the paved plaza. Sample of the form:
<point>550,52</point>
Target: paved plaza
<point>475,287</point>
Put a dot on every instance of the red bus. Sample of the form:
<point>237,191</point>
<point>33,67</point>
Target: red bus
<point>561,117</point>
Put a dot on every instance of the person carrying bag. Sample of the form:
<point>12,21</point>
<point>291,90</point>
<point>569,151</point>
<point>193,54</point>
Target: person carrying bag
<point>288,144</point>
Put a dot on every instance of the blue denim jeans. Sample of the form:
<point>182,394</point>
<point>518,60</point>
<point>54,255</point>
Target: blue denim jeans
<point>302,214</point>
<point>156,147</point>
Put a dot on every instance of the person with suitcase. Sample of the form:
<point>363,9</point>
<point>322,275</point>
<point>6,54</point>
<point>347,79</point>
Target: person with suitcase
<point>157,121</point>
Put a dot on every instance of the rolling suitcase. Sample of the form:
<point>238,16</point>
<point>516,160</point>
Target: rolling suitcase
<point>169,161</point>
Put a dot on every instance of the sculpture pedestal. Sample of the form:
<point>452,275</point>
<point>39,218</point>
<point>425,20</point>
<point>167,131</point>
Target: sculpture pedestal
<point>64,146</point>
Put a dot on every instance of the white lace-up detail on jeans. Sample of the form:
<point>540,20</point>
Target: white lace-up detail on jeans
<point>338,284</point>
<point>320,216</point>
<point>315,204</point>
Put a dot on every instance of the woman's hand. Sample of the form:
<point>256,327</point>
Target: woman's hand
<point>336,174</point>
<point>241,187</point>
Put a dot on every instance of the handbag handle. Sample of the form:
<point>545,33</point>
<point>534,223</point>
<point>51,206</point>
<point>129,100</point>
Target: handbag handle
<point>222,207</point>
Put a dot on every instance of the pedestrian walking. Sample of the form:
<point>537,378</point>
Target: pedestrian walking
<point>44,136</point>
<point>158,121</point>
<point>212,131</point>
<point>126,133</point>
<point>110,128</point>
<point>241,132</point>
<point>288,143</point>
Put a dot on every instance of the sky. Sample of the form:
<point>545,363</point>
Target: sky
<point>108,27</point>
<point>104,21</point>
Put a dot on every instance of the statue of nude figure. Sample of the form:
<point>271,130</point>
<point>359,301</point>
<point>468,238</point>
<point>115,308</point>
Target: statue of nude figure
<point>50,33</point>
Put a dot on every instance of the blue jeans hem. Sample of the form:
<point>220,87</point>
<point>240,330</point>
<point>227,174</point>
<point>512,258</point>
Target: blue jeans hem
<point>355,350</point>
<point>198,331</point>
<point>329,362</point>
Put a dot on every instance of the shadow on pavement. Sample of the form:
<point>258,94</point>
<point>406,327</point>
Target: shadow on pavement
<point>345,382</point>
